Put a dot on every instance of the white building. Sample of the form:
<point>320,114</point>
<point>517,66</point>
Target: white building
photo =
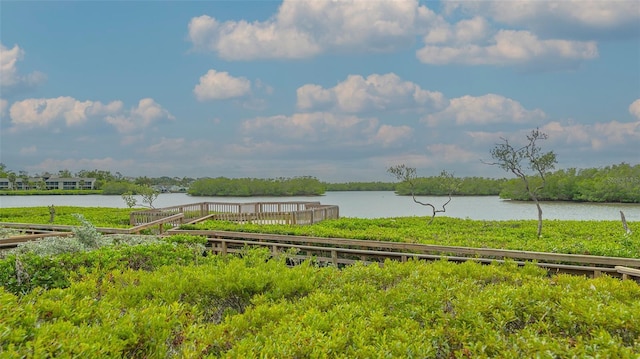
<point>49,183</point>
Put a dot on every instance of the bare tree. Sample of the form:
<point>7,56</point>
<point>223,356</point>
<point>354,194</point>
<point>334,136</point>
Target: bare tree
<point>148,194</point>
<point>528,157</point>
<point>407,174</point>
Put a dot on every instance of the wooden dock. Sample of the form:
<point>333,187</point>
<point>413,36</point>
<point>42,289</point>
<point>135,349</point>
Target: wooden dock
<point>338,251</point>
<point>345,251</point>
<point>294,212</point>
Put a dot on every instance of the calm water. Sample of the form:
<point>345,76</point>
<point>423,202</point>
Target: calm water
<point>371,205</point>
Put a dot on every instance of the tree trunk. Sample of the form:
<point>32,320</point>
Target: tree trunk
<point>539,217</point>
<point>624,223</point>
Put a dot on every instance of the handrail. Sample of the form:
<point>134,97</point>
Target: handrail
<point>296,212</point>
<point>423,248</point>
<point>403,256</point>
<point>626,272</point>
<point>159,222</point>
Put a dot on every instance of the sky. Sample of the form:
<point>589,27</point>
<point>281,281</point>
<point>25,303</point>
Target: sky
<point>338,90</point>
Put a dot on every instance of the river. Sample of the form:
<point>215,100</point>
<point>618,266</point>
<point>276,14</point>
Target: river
<point>374,204</point>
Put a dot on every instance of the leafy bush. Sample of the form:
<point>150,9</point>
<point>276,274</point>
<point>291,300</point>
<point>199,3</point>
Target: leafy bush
<point>228,306</point>
<point>605,238</point>
<point>99,216</point>
<point>186,239</point>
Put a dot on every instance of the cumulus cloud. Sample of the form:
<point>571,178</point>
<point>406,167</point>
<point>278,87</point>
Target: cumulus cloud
<point>144,115</point>
<point>390,136</point>
<point>484,110</point>
<point>451,153</point>
<point>572,18</point>
<point>34,113</point>
<point>634,108</point>
<point>574,139</point>
<point>506,47</point>
<point>216,85</point>
<point>311,127</point>
<point>325,129</point>
<point>374,93</point>
<point>165,146</point>
<point>42,112</point>
<point>597,136</point>
<point>10,79</point>
<point>303,29</point>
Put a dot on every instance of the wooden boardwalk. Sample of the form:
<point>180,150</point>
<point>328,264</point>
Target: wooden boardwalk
<point>294,212</point>
<point>345,251</point>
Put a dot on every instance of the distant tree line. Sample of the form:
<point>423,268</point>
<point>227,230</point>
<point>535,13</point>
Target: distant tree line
<point>245,187</point>
<point>441,186</point>
<point>617,183</point>
<point>360,186</point>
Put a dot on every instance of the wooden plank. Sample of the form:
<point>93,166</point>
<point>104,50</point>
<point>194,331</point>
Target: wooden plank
<point>429,248</point>
<point>159,222</point>
<point>32,237</point>
<point>584,270</point>
<point>626,272</point>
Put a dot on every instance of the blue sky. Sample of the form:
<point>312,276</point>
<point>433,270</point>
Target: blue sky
<point>339,90</point>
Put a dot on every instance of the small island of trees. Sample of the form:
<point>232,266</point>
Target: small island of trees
<point>615,183</point>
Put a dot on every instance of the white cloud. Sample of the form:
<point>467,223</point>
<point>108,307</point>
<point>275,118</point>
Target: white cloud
<point>10,79</point>
<point>165,146</point>
<point>144,115</point>
<point>573,139</point>
<point>216,85</point>
<point>374,93</point>
<point>33,112</point>
<point>483,110</point>
<point>634,108</point>
<point>304,29</point>
<point>506,47</point>
<point>465,31</point>
<point>451,153</point>
<point>576,18</point>
<point>390,136</point>
<point>324,132</point>
<point>311,127</point>
<point>597,136</point>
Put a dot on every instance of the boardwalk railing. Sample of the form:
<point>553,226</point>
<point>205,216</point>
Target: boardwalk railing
<point>347,251</point>
<point>38,231</point>
<point>254,212</point>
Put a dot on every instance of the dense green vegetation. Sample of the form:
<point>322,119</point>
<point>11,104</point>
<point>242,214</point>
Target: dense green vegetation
<point>442,186</point>
<point>99,216</point>
<point>162,301</point>
<point>360,186</point>
<point>103,296</point>
<point>606,238</point>
<point>618,183</point>
<point>244,187</point>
